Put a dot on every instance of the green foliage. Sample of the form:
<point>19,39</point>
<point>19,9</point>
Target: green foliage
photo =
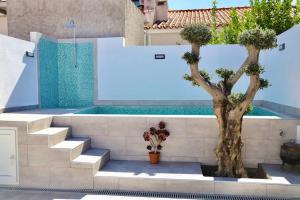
<point>196,34</point>
<point>190,58</point>
<point>261,39</point>
<point>215,35</point>
<point>254,69</point>
<point>277,15</point>
<point>248,21</point>
<point>237,98</point>
<point>187,77</point>
<point>224,73</point>
<point>249,109</point>
<point>231,32</point>
<point>205,75</point>
<point>264,84</point>
<point>297,12</point>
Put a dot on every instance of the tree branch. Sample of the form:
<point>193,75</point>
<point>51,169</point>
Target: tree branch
<point>250,94</point>
<point>253,56</point>
<point>211,88</point>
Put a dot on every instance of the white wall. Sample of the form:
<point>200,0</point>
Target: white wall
<point>18,73</point>
<point>283,70</point>
<point>132,73</point>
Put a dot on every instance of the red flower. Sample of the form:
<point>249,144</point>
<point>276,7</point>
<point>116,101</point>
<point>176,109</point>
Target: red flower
<point>167,133</point>
<point>146,136</point>
<point>162,136</point>
<point>162,125</point>
<point>152,130</point>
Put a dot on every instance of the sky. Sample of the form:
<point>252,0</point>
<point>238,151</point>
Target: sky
<point>193,4</point>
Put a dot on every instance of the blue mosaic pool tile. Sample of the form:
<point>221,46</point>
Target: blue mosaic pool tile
<point>48,80</point>
<point>75,83</point>
<point>62,84</point>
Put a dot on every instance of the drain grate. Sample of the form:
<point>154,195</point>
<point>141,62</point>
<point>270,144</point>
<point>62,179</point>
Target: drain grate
<point>151,194</point>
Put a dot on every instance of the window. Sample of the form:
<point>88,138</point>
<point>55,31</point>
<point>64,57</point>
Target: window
<point>161,3</point>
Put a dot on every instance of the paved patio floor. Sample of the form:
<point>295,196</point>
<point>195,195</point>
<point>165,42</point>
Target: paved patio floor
<point>45,195</point>
<point>38,195</point>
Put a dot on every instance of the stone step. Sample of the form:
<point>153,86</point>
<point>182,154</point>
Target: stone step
<point>28,123</point>
<point>39,124</point>
<point>142,176</point>
<point>92,158</point>
<point>74,147</point>
<point>48,136</point>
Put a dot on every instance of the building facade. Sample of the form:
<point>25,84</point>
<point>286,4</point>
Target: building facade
<point>93,18</point>
<point>167,32</point>
<point>3,18</point>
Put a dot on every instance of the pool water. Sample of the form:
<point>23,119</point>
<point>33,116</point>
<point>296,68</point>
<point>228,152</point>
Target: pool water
<point>164,110</point>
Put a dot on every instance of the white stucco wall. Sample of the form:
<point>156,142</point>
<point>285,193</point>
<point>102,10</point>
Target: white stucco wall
<point>18,73</point>
<point>283,70</point>
<point>132,73</point>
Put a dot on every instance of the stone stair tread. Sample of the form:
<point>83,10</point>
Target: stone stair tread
<point>50,131</point>
<point>92,156</point>
<point>70,143</point>
<point>143,169</point>
<point>19,117</point>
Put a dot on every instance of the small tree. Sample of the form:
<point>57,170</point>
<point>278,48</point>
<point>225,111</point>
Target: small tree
<point>228,107</point>
<point>233,29</point>
<point>278,15</point>
<point>214,26</point>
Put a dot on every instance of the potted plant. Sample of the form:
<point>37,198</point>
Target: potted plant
<point>155,136</point>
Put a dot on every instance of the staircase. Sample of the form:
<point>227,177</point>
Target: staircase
<point>60,161</point>
<point>69,162</point>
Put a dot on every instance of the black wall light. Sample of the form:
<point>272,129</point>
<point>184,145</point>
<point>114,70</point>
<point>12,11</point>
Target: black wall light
<point>160,56</point>
<point>29,54</point>
<point>282,47</point>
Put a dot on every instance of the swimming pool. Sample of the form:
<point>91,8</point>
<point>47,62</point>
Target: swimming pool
<point>164,110</point>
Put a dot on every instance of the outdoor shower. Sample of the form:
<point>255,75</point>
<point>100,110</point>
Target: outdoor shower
<point>72,25</point>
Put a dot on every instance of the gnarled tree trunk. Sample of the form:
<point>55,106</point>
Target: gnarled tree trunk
<point>229,148</point>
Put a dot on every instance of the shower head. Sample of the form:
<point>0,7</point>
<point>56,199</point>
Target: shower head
<point>71,24</point>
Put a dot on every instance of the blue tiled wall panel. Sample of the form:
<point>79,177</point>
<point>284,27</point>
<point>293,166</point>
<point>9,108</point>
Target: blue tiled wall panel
<point>75,83</point>
<point>62,84</point>
<point>48,73</point>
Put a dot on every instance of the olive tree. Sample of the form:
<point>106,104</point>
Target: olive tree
<point>229,107</point>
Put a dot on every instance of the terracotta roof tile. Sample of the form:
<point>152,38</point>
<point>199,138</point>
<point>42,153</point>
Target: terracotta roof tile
<point>180,18</point>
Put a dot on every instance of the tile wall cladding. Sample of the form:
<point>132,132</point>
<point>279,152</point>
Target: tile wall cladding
<point>192,138</point>
<point>48,73</point>
<point>62,84</point>
<point>75,83</point>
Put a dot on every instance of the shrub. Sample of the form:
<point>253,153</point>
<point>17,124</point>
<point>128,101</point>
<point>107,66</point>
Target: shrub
<point>190,58</point>
<point>261,39</point>
<point>196,34</point>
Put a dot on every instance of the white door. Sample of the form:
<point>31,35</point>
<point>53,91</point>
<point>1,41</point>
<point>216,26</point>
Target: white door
<point>8,156</point>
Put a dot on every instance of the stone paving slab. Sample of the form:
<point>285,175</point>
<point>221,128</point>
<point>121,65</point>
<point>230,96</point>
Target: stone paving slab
<point>38,195</point>
<point>286,174</point>
<point>143,169</point>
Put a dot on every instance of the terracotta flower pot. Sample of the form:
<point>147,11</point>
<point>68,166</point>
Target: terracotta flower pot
<point>154,157</point>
